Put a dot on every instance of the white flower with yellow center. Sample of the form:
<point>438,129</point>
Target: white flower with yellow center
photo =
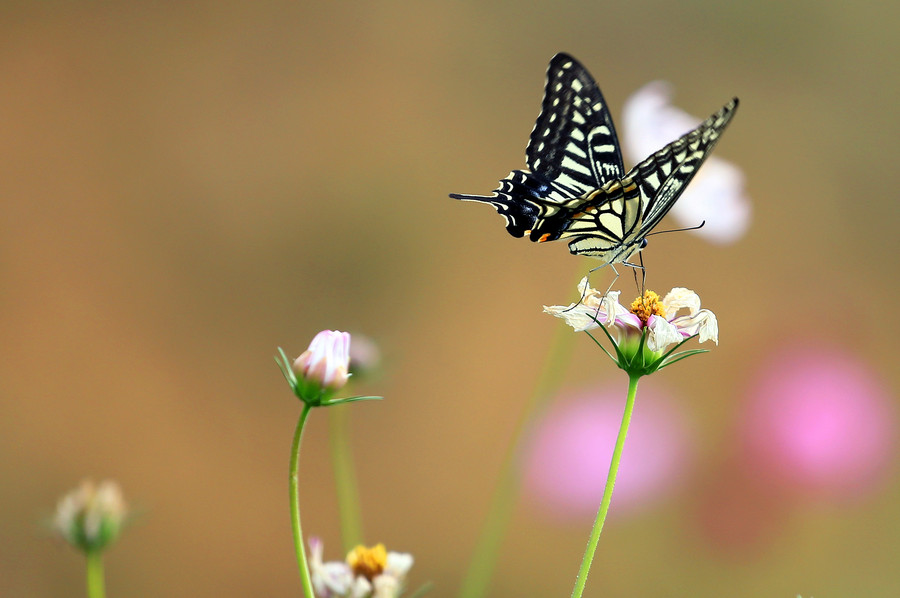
<point>366,573</point>
<point>645,330</point>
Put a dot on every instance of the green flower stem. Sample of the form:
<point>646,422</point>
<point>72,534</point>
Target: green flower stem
<point>95,584</point>
<point>345,477</point>
<point>295,506</point>
<point>607,491</point>
<point>484,558</point>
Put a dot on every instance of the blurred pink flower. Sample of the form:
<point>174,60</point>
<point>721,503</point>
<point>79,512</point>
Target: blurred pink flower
<point>716,194</point>
<point>567,460</point>
<point>820,420</point>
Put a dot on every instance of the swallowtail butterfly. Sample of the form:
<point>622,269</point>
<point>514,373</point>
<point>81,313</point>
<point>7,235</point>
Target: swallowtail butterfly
<point>576,188</point>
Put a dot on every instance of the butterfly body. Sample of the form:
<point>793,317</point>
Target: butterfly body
<point>576,186</point>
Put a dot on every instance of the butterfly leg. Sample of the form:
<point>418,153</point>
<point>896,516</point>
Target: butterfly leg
<point>591,271</point>
<point>609,288</point>
<point>634,269</point>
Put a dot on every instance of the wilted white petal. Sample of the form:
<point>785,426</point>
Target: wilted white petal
<point>662,334</point>
<point>716,194</point>
<point>593,308</point>
<point>579,317</point>
<point>679,298</point>
<point>703,322</point>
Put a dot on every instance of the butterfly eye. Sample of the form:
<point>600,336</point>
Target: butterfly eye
<point>643,242</point>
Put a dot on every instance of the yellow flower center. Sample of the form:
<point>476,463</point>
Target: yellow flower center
<point>648,305</point>
<point>368,562</point>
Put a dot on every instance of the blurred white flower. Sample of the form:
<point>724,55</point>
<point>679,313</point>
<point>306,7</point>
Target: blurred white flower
<point>90,517</point>
<point>716,195</point>
<point>328,579</point>
<point>365,356</point>
<point>367,572</point>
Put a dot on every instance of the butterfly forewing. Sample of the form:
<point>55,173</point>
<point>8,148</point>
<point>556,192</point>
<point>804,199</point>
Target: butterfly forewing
<point>572,151</point>
<point>664,175</point>
<point>573,143</point>
<point>612,223</point>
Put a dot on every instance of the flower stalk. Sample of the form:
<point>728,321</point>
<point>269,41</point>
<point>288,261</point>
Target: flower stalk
<point>90,518</point>
<point>294,483</point>
<point>594,539</point>
<point>648,334</point>
<point>314,377</point>
<point>349,511</point>
<point>96,587</point>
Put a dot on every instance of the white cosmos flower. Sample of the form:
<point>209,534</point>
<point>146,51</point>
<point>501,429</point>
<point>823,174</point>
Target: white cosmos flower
<point>716,194</point>
<point>658,319</point>
<point>366,573</point>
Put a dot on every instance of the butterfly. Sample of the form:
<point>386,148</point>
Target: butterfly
<point>576,187</point>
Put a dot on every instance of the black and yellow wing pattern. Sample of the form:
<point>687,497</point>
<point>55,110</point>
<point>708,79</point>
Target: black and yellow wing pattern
<point>576,188</point>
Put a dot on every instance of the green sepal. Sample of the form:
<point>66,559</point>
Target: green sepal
<point>423,589</point>
<point>608,354</point>
<point>285,366</point>
<point>620,357</point>
<point>683,355</point>
<point>676,347</point>
<point>640,361</point>
<point>348,400</point>
<point>309,392</point>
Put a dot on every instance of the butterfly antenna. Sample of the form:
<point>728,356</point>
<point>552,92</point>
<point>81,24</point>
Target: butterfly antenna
<point>676,230</point>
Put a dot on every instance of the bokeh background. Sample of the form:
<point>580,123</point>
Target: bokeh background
<point>186,186</point>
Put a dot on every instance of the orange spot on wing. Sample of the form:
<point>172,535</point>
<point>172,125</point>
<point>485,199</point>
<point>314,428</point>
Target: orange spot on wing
<point>544,237</point>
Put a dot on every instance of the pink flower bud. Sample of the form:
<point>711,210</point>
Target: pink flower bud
<point>326,362</point>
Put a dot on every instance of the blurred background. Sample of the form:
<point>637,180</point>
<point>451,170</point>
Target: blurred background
<point>186,186</point>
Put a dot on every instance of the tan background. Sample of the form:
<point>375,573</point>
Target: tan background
<point>185,186</point>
